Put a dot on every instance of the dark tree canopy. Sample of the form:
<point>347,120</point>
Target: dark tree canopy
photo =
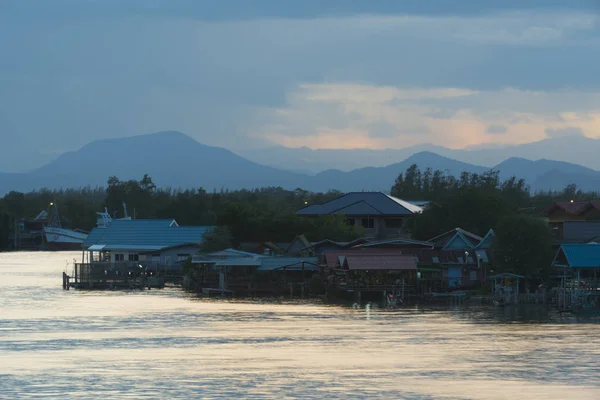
<point>475,202</point>
<point>216,239</point>
<point>267,214</point>
<point>523,246</point>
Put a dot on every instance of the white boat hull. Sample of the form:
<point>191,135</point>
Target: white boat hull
<point>64,239</point>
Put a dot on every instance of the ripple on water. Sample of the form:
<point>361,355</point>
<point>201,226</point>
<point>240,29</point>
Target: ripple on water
<point>167,344</point>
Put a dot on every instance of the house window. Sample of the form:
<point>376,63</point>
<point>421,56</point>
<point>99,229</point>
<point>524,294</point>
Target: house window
<point>350,221</point>
<point>182,257</point>
<point>473,275</point>
<point>134,257</point>
<point>394,223</point>
<point>368,223</point>
<point>119,257</point>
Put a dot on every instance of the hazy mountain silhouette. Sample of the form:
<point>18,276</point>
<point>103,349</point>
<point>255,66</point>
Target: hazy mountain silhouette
<point>172,159</point>
<point>379,178</point>
<point>175,160</point>
<point>575,149</point>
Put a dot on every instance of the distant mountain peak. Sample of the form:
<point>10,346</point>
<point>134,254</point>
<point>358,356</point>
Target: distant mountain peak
<point>426,154</point>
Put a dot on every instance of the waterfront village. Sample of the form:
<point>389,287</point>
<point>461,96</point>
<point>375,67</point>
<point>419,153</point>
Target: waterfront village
<point>385,265</point>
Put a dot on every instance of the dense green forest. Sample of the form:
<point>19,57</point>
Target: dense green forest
<point>474,202</point>
<point>250,215</point>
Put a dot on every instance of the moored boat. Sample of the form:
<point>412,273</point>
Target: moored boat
<point>59,238</point>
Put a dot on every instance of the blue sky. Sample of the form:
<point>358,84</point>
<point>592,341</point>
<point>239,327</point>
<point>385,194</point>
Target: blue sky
<point>334,73</point>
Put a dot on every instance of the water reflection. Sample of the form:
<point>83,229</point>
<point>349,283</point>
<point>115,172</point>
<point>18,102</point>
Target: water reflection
<point>166,344</point>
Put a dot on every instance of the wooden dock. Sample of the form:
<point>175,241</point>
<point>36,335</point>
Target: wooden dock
<point>114,276</point>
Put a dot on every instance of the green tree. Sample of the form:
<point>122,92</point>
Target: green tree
<point>216,239</point>
<point>15,204</point>
<point>472,209</point>
<point>523,245</point>
<point>138,195</point>
<point>335,227</point>
<point>5,229</point>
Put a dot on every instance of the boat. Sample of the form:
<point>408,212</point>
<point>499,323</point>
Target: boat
<point>588,306</point>
<point>59,238</point>
<point>104,219</point>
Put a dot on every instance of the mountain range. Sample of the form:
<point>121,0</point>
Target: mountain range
<point>175,160</point>
<point>576,149</point>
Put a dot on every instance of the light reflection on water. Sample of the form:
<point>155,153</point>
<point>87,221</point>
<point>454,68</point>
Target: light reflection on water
<point>167,344</point>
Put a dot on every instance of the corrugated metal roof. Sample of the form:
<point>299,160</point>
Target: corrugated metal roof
<point>381,262</point>
<point>137,247</point>
<point>487,240</point>
<point>397,242</point>
<point>93,237</point>
<point>505,275</point>
<point>239,262</point>
<point>458,242</point>
<point>413,208</point>
<point>442,239</point>
<point>290,263</point>
<point>420,203</point>
<point>331,257</point>
<point>338,244</point>
<point>574,208</point>
<point>144,235</point>
<point>579,255</point>
<point>233,253</point>
<point>363,203</point>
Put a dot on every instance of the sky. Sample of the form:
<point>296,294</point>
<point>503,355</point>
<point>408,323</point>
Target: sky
<point>315,73</point>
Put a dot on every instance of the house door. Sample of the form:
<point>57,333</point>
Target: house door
<point>454,276</point>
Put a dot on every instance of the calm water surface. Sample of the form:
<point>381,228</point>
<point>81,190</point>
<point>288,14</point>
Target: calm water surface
<point>166,344</point>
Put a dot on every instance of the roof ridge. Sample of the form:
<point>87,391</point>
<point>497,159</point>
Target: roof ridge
<point>355,203</point>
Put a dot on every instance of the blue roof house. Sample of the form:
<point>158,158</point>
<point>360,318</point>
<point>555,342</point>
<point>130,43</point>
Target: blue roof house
<point>580,262</point>
<point>382,216</point>
<point>578,256</point>
<point>143,240</point>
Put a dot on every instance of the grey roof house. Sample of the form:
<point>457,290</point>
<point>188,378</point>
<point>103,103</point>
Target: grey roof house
<point>381,215</point>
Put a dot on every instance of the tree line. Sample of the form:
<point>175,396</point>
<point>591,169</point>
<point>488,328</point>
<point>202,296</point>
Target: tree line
<point>479,202</point>
<point>475,202</point>
<point>249,215</point>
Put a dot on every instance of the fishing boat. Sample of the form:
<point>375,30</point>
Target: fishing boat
<point>59,238</point>
<point>104,219</point>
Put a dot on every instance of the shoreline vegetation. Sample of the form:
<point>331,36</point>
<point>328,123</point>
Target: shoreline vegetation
<point>475,202</point>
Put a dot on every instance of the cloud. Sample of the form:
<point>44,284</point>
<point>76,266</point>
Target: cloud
<point>375,118</point>
<point>564,132</point>
<point>496,129</point>
<point>293,75</point>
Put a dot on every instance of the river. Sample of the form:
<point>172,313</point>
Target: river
<point>167,344</point>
